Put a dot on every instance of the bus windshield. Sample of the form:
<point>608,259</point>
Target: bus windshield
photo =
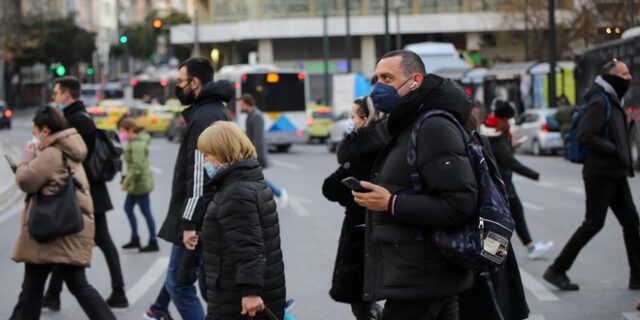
<point>276,92</point>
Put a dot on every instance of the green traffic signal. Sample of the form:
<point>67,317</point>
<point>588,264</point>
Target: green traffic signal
<point>90,71</point>
<point>124,39</point>
<point>61,70</point>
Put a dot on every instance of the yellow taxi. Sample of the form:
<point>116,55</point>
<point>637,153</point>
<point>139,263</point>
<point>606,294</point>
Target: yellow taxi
<point>154,118</point>
<point>319,121</point>
<point>108,113</point>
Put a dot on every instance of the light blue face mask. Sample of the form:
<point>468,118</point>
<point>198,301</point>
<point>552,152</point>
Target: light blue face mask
<point>210,169</point>
<point>350,127</point>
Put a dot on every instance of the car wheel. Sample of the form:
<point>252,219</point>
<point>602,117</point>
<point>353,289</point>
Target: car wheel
<point>283,147</point>
<point>332,146</point>
<point>535,148</point>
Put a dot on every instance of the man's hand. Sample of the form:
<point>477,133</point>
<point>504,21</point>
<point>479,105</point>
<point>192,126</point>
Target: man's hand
<point>190,239</point>
<point>251,305</point>
<point>376,200</point>
<point>123,187</point>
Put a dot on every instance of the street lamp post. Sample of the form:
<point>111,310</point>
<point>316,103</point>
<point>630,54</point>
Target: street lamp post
<point>552,54</point>
<point>526,30</point>
<point>348,47</point>
<point>387,37</point>
<point>196,41</point>
<point>397,6</point>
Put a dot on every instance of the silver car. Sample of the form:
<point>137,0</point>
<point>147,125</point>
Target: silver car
<point>538,132</point>
<point>337,131</point>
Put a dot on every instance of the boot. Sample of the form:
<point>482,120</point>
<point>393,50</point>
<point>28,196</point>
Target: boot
<point>151,247</point>
<point>134,243</point>
<point>118,299</point>
<point>367,311</point>
<point>51,301</point>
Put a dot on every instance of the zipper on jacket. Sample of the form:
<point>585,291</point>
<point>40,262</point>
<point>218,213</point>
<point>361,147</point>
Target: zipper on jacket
<point>489,220</point>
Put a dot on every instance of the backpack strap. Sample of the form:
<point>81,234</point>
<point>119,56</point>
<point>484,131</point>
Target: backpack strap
<point>412,150</point>
<point>607,113</point>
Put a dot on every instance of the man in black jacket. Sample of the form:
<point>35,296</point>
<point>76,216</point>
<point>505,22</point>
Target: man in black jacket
<point>66,93</point>
<point>195,87</point>
<point>402,264</point>
<point>606,168</point>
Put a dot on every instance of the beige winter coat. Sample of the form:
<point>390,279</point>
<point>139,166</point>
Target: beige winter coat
<point>45,172</point>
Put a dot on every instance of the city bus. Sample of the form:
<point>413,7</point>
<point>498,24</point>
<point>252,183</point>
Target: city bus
<point>626,49</point>
<point>282,95</point>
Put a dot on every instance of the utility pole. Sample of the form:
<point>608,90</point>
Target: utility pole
<point>397,6</point>
<point>196,41</point>
<point>526,30</point>
<point>325,51</point>
<point>349,52</point>
<point>552,53</point>
<point>387,37</point>
<point>632,14</point>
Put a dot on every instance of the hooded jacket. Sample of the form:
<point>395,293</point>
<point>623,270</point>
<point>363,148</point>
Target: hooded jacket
<point>139,179</point>
<point>605,156</point>
<point>401,260</point>
<point>189,177</point>
<point>47,174</point>
<point>241,243</point>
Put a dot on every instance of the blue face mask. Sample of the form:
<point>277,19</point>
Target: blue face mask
<point>385,97</point>
<point>350,127</point>
<point>60,106</point>
<point>210,169</point>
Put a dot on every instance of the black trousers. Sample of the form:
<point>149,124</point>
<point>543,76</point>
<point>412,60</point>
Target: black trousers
<point>35,276</point>
<point>429,309</point>
<point>104,242</point>
<point>517,213</point>
<point>603,192</point>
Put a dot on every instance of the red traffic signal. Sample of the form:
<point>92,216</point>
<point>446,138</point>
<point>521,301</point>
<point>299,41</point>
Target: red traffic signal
<point>157,24</point>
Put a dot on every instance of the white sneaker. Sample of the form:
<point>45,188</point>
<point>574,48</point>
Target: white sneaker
<point>284,198</point>
<point>539,249</point>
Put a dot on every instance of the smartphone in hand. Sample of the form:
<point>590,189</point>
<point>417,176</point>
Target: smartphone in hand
<point>354,184</point>
<point>11,162</point>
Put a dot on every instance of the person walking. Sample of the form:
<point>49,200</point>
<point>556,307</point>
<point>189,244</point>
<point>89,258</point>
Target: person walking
<point>606,167</point>
<point>56,152</point>
<point>498,131</point>
<point>254,126</point>
<point>138,183</point>
<point>240,232</point>
<point>66,94</point>
<point>366,136</point>
<point>195,87</point>
<point>402,263</point>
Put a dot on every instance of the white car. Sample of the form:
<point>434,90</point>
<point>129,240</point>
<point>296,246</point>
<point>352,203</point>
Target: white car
<point>337,131</point>
<point>538,131</point>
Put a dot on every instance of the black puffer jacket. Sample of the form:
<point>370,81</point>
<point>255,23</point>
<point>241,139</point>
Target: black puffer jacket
<point>356,155</point>
<point>241,243</point>
<point>507,163</point>
<point>401,260</point>
<point>77,116</point>
<point>187,204</point>
<point>610,157</point>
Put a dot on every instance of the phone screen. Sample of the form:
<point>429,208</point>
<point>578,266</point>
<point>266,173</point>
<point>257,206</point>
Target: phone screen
<point>12,163</point>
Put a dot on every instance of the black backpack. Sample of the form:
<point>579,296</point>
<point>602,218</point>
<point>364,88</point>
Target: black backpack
<point>105,161</point>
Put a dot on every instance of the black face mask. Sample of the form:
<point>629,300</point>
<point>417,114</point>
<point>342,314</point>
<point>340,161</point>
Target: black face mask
<point>619,84</point>
<point>186,99</point>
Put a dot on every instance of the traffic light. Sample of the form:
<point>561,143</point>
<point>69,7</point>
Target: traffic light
<point>90,71</point>
<point>157,24</point>
<point>61,70</point>
<point>124,39</point>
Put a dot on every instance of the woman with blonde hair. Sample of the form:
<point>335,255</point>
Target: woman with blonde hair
<point>240,232</point>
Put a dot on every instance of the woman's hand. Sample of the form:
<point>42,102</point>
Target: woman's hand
<point>190,239</point>
<point>252,305</point>
<point>375,200</point>
<point>123,187</point>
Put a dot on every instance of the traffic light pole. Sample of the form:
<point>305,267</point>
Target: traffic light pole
<point>325,47</point>
<point>552,53</point>
<point>196,41</point>
<point>387,36</point>
<point>349,51</point>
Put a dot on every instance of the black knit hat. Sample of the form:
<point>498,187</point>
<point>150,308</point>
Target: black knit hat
<point>503,109</point>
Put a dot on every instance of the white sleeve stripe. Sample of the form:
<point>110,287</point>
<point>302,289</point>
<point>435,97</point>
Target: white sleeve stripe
<point>198,172</point>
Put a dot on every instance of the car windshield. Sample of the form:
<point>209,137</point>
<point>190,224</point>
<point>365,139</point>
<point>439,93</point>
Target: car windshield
<point>322,115</point>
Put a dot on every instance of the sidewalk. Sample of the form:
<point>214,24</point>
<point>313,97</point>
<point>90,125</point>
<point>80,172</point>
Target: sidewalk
<point>9,192</point>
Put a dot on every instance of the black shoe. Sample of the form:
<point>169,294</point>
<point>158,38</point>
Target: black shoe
<point>151,247</point>
<point>634,286</point>
<point>118,299</point>
<point>51,301</point>
<point>560,280</point>
<point>133,244</point>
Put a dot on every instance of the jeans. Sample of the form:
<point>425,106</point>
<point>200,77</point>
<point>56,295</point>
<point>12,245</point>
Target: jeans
<point>104,242</point>
<point>275,189</point>
<point>427,309</point>
<point>162,301</point>
<point>145,206</point>
<point>517,213</point>
<point>35,276</point>
<point>185,298</point>
<point>603,192</point>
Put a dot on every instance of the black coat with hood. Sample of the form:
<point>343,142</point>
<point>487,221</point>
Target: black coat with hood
<point>401,260</point>
<point>241,243</point>
<point>610,157</point>
<point>356,154</point>
<point>78,117</point>
<point>187,204</point>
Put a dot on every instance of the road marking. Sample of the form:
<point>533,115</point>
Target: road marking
<point>551,185</point>
<point>152,275</point>
<point>531,206</point>
<point>548,184</point>
<point>537,288</point>
<point>156,170</point>
<point>299,208</point>
<point>287,165</point>
<point>536,317</point>
<point>631,315</point>
<point>301,199</point>
<point>575,190</point>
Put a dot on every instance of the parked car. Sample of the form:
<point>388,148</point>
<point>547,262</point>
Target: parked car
<point>154,118</point>
<point>337,131</point>
<point>538,131</point>
<point>319,121</point>
<point>6,114</point>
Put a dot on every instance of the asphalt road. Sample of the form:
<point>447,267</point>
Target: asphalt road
<point>310,226</point>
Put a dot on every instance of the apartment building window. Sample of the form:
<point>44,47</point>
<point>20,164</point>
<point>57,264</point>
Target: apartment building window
<point>225,10</point>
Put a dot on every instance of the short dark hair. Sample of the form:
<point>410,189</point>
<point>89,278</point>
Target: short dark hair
<point>411,62</point>
<point>69,84</point>
<point>198,67</point>
<point>247,99</point>
<point>51,118</point>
